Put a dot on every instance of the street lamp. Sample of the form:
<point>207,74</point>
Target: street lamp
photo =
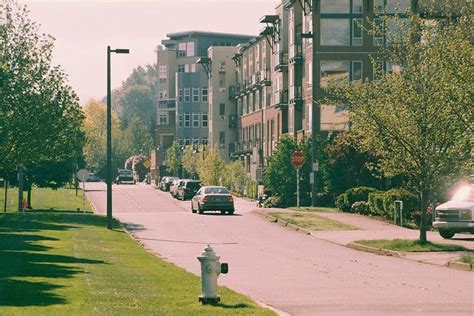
<point>109,135</point>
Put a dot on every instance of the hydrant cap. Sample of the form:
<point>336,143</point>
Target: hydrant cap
<point>209,253</point>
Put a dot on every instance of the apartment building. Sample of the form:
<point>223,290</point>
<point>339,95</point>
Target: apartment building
<point>183,90</point>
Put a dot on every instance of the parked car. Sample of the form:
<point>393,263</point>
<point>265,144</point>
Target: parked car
<point>213,198</point>
<point>92,178</point>
<point>175,185</point>
<point>188,190</point>
<point>456,215</point>
<point>125,176</point>
<point>165,183</point>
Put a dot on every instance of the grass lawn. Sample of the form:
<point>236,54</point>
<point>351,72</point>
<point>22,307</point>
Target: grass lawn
<point>408,245</point>
<point>45,199</point>
<point>311,221</point>
<point>70,264</point>
<point>314,209</point>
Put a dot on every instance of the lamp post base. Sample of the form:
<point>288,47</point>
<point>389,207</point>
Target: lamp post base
<point>209,300</point>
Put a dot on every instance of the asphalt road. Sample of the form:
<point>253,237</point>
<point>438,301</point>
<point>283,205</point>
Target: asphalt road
<point>295,273</point>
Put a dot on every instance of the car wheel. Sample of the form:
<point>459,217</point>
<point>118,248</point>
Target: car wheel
<point>200,211</point>
<point>446,234</point>
<point>231,212</point>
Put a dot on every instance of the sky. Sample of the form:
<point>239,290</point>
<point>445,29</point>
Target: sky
<point>84,29</point>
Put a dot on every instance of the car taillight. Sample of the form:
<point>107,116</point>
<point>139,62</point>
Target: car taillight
<point>205,199</point>
<point>231,199</point>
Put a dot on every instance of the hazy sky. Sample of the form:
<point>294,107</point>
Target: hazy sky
<point>83,29</point>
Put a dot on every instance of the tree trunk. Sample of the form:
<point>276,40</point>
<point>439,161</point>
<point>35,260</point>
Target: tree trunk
<point>6,196</point>
<point>20,189</point>
<point>29,197</point>
<point>423,196</point>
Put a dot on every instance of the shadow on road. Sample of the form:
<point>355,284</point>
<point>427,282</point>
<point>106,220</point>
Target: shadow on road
<point>191,242</point>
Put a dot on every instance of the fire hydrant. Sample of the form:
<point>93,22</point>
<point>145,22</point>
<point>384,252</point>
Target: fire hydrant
<point>210,270</point>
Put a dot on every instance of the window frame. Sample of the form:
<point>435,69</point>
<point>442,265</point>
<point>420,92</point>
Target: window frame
<point>187,119</point>
<point>187,95</point>
<point>195,95</point>
<point>195,120</point>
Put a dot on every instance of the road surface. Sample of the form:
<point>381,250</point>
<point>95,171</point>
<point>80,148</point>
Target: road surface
<point>295,273</point>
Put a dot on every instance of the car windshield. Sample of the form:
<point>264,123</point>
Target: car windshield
<point>464,194</point>
<point>216,190</point>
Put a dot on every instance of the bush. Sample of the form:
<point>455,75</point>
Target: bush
<point>358,194</point>
<point>410,202</point>
<point>360,207</point>
<point>324,199</point>
<point>342,204</point>
<point>252,189</point>
<point>273,201</point>
<point>375,201</point>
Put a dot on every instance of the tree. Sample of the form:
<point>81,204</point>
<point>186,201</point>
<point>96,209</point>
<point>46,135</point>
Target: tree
<point>192,159</point>
<point>40,115</point>
<point>212,170</point>
<point>235,177</point>
<point>173,158</point>
<point>137,137</point>
<point>419,121</point>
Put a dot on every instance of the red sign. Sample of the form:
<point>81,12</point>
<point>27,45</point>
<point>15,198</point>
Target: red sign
<point>297,158</point>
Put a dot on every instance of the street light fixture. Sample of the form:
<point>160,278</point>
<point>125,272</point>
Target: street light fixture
<point>109,135</point>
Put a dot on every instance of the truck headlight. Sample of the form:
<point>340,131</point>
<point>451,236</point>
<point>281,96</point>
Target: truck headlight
<point>465,214</point>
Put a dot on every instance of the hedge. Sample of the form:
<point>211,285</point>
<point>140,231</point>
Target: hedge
<point>345,200</point>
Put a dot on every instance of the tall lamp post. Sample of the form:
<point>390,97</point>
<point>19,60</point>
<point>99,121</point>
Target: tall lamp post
<point>109,135</point>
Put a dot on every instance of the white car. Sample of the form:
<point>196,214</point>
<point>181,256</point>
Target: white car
<point>456,215</point>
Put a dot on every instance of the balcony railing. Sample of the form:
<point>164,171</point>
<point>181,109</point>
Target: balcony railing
<point>296,55</point>
<point>265,77</point>
<point>167,104</point>
<point>233,92</point>
<point>296,94</point>
<point>281,99</point>
<point>281,61</point>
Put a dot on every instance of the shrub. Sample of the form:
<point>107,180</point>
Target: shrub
<point>341,203</point>
<point>324,199</point>
<point>252,189</point>
<point>358,194</point>
<point>375,201</point>
<point>416,216</point>
<point>410,202</point>
<point>360,207</point>
<point>273,201</point>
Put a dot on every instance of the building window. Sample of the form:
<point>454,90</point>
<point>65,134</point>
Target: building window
<point>356,71</point>
<point>391,6</point>
<point>335,6</point>
<point>180,68</point>
<point>187,120</point>
<point>187,141</point>
<point>187,95</point>
<point>195,119</point>
<point>222,109</point>
<point>309,73</point>
<point>190,49</point>
<point>222,80</point>
<point>162,80</point>
<point>334,72</point>
<point>357,32</point>
<point>222,138</point>
<point>162,71</point>
<point>163,94</point>
<point>195,94</point>
<point>193,67</point>
<point>163,119</point>
<point>335,32</point>
<point>379,32</point>
<point>204,94</point>
<point>204,119</point>
<point>180,95</point>
<point>180,120</point>
<point>181,50</point>
<point>357,6</point>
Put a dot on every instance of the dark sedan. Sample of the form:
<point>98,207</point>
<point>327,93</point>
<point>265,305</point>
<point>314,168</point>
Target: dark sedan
<point>213,198</point>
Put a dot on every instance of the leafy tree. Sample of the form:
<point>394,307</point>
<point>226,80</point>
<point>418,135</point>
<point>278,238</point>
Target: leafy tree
<point>419,121</point>
<point>192,160</point>
<point>212,170</point>
<point>173,158</point>
<point>41,120</point>
<point>235,177</point>
<point>137,137</point>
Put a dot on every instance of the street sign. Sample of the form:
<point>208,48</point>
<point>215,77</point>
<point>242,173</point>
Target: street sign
<point>297,158</point>
<point>82,175</point>
<point>315,166</point>
<point>147,164</point>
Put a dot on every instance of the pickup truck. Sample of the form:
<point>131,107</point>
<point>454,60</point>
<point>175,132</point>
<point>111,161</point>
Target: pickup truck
<point>456,215</point>
<point>125,176</point>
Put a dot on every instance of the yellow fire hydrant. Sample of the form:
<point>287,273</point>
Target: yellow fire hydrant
<point>210,270</point>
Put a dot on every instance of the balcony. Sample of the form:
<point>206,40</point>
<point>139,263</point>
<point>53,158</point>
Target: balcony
<point>296,56</point>
<point>233,92</point>
<point>265,78</point>
<point>232,121</point>
<point>167,104</point>
<point>281,61</point>
<point>281,99</point>
<point>296,94</point>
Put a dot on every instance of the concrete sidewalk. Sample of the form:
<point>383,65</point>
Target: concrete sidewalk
<point>372,229</point>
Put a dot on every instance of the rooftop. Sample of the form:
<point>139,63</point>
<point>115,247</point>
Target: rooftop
<point>209,34</point>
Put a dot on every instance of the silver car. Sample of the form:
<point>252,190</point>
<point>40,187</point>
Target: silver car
<point>213,198</point>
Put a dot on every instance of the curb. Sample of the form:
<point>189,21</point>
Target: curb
<point>460,266</point>
<point>377,251</point>
<point>272,219</point>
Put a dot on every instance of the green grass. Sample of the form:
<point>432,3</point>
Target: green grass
<point>311,221</point>
<point>467,259</point>
<point>314,209</point>
<point>63,199</point>
<point>70,264</point>
<point>408,245</point>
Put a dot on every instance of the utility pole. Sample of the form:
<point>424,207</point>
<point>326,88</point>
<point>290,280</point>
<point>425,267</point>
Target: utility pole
<point>315,111</point>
